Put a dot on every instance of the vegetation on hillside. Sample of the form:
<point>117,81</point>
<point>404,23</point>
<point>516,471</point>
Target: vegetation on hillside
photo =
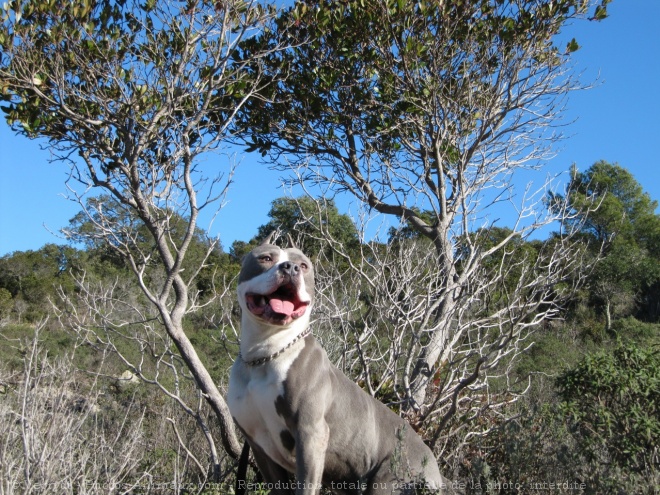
<point>524,359</point>
<point>588,417</point>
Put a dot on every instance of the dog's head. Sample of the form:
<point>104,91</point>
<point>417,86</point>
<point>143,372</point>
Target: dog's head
<point>276,286</point>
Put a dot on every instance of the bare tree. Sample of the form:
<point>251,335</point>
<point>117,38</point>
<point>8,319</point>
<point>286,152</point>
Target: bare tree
<point>376,312</point>
<point>424,112</point>
<point>131,94</point>
<point>51,438</point>
<point>112,319</point>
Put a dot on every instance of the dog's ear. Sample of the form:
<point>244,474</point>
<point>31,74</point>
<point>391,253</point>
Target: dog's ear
<point>268,238</point>
<point>292,244</point>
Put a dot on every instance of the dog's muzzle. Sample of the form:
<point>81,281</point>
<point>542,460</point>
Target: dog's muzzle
<point>283,305</point>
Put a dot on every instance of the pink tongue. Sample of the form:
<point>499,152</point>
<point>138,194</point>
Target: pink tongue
<point>282,307</point>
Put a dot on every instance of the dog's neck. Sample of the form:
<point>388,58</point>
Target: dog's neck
<point>259,341</point>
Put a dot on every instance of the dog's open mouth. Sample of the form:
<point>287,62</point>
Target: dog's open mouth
<point>280,306</point>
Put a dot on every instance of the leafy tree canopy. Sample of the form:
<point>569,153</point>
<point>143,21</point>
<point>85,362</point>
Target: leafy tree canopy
<point>130,233</point>
<point>306,220</point>
<point>410,106</point>
<point>625,226</point>
<point>33,277</point>
<point>309,222</point>
<point>625,211</point>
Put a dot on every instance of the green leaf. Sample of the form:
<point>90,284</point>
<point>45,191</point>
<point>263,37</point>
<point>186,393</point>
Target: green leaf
<point>572,46</point>
<point>601,13</point>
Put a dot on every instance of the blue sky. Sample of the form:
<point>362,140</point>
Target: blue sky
<point>618,121</point>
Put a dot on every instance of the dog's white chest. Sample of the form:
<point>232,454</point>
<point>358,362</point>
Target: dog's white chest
<point>253,392</point>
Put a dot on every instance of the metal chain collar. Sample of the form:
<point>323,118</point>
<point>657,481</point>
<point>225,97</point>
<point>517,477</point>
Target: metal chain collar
<point>257,362</point>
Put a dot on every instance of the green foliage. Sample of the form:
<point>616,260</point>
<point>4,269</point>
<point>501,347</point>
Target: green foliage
<point>361,50</point>
<point>313,224</point>
<point>216,353</point>
<point>132,54</point>
<point>619,223</point>
<point>393,99</point>
<point>509,253</point>
<point>623,210</point>
<point>408,231</point>
<point>6,303</point>
<point>56,342</point>
<point>524,455</point>
<point>203,259</point>
<point>309,221</point>
<point>630,330</point>
<point>611,399</point>
<point>239,249</point>
<point>595,427</point>
<point>553,351</point>
<point>32,278</point>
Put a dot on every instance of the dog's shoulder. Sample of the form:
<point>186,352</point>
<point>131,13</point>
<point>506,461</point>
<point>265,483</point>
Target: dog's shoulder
<point>311,363</point>
<point>309,375</point>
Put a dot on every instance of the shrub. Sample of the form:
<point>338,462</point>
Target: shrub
<point>611,403</point>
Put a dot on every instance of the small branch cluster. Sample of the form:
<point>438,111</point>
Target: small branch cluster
<point>52,440</point>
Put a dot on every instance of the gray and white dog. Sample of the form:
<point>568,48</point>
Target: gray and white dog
<point>299,413</point>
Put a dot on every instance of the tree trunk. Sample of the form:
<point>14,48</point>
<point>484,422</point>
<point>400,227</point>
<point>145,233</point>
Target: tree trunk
<point>207,386</point>
<point>608,315</point>
<point>441,320</point>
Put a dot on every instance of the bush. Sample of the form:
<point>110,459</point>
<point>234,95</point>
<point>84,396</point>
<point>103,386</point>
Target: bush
<point>596,426</point>
<point>611,403</point>
<point>55,439</point>
<point>65,431</point>
<point>632,330</point>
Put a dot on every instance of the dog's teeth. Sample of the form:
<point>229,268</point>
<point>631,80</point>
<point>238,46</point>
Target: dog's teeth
<point>261,301</point>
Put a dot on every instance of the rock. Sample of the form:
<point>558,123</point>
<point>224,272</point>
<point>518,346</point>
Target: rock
<point>127,378</point>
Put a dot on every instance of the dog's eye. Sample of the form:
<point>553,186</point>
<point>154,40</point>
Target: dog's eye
<point>265,259</point>
<point>304,266</point>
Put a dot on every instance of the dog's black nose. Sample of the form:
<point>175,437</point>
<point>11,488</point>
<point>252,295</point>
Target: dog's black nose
<point>289,268</point>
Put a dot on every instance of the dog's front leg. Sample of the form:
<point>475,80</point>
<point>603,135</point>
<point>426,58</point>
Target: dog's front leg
<point>275,476</point>
<point>311,446</point>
